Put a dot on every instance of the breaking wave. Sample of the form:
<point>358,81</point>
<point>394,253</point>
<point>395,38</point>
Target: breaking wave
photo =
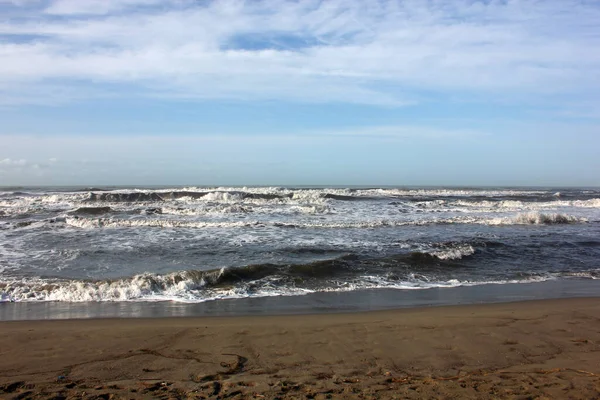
<point>421,265</point>
<point>520,219</point>
<point>186,288</point>
<point>519,204</point>
<point>203,201</point>
<point>545,219</point>
<point>92,210</point>
<point>130,197</point>
<point>454,252</point>
<point>157,223</point>
<point>230,283</point>
<point>239,194</point>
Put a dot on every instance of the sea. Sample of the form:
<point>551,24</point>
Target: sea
<point>212,244</point>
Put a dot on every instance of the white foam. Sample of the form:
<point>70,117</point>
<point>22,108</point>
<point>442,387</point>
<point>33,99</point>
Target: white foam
<point>144,287</point>
<point>159,223</point>
<point>511,205</point>
<point>533,218</point>
<point>536,218</point>
<point>134,288</point>
<point>583,275</point>
<point>208,210</point>
<point>223,196</point>
<point>591,203</point>
<point>378,282</point>
<point>312,209</point>
<point>182,287</point>
<point>454,253</point>
<point>228,194</point>
<point>22,205</point>
<point>234,200</point>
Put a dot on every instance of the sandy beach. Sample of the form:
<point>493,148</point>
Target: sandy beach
<point>529,350</point>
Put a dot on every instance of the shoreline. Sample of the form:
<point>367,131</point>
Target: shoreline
<point>314,303</point>
<point>539,348</point>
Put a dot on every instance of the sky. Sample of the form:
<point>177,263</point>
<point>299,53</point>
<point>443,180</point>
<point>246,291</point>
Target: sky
<point>373,92</point>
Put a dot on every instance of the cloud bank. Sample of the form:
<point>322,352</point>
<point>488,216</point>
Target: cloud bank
<point>382,53</point>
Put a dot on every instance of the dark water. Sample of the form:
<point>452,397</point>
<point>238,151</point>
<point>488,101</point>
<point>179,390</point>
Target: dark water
<point>198,244</point>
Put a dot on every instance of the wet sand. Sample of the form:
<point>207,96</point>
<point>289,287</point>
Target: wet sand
<point>537,349</point>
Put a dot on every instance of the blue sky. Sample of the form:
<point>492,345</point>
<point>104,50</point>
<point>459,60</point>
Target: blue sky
<point>300,92</point>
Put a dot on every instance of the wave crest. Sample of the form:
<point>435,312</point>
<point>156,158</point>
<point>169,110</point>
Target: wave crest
<point>535,218</point>
<point>456,252</point>
<point>519,219</point>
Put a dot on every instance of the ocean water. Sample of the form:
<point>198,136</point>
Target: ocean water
<point>200,244</point>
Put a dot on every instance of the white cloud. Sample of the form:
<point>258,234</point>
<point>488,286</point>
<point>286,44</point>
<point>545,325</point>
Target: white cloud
<point>19,3</point>
<point>7,162</point>
<point>90,7</point>
<point>383,53</point>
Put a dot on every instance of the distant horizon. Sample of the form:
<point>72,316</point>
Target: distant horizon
<point>299,186</point>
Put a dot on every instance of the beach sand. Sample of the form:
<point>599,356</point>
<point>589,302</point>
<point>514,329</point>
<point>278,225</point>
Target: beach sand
<point>529,350</point>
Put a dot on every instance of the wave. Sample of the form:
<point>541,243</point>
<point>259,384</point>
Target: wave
<point>92,210</point>
<point>93,189</point>
<point>342,197</point>
<point>125,197</point>
<point>519,219</point>
<point>195,211</point>
<point>517,204</point>
<point>220,196</point>
<point>531,218</point>
<point>80,222</point>
<point>273,193</point>
<point>582,275</point>
<point>22,224</point>
<point>219,209</point>
<point>535,218</point>
<point>15,194</point>
<point>184,284</point>
<point>456,252</point>
<point>590,203</point>
<point>419,265</point>
<point>130,197</point>
<point>37,202</point>
<point>252,281</point>
<point>190,201</point>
